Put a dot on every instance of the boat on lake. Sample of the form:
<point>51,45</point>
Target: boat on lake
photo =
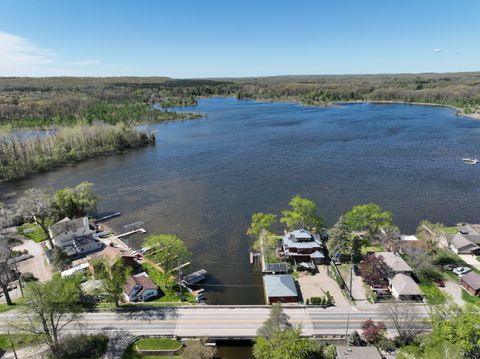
<point>470,161</point>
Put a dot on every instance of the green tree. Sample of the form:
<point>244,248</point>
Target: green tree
<point>60,259</point>
<point>76,202</point>
<point>277,321</point>
<point>340,239</point>
<point>167,250</point>
<point>50,307</point>
<point>369,218</point>
<point>113,278</point>
<point>260,221</point>
<point>303,214</point>
<point>463,331</point>
<point>285,344</point>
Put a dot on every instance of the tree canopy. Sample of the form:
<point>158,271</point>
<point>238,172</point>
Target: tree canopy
<point>303,214</point>
<point>261,221</point>
<point>37,204</point>
<point>369,218</point>
<point>167,250</point>
<point>76,202</point>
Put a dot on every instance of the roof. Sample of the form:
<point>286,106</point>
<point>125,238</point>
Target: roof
<point>301,234</point>
<point>405,285</point>
<point>71,271</point>
<point>472,279</point>
<point>142,280</point>
<point>276,267</point>
<point>467,229</point>
<point>462,242</point>
<point>280,285</point>
<point>317,254</point>
<point>394,261</point>
<point>357,352</point>
<point>68,225</point>
<point>301,238</point>
<point>411,237</point>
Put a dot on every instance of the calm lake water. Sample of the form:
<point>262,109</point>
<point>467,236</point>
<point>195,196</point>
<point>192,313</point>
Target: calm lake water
<point>205,178</point>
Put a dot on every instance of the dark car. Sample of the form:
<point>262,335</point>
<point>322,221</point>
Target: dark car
<point>439,282</point>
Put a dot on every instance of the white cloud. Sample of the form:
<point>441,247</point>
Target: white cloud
<point>437,50</point>
<point>21,57</point>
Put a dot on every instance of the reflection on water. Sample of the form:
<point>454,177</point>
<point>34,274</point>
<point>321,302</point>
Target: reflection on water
<point>204,178</point>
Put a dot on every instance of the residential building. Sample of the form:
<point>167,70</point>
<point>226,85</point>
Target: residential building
<point>471,283</point>
<point>82,268</point>
<point>396,263</point>
<point>74,236</point>
<point>140,288</point>
<point>403,287</point>
<point>466,244</point>
<point>344,352</point>
<point>280,288</point>
<point>302,246</point>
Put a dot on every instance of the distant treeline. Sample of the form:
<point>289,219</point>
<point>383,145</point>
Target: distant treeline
<point>69,100</point>
<point>20,157</point>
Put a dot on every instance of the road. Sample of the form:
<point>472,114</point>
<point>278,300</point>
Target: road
<point>213,321</point>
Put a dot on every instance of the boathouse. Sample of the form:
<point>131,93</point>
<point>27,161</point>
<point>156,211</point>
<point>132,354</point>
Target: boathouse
<point>280,288</point>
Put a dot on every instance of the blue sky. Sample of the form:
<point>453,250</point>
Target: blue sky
<point>211,38</point>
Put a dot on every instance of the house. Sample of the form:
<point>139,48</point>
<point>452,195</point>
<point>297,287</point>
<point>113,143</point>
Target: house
<point>396,263</point>
<point>74,236</point>
<point>403,287</point>
<point>465,244</point>
<point>280,288</point>
<point>344,352</point>
<point>303,246</point>
<point>140,288</point>
<point>471,283</point>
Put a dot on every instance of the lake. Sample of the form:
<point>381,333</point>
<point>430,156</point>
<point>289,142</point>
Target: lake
<point>204,178</point>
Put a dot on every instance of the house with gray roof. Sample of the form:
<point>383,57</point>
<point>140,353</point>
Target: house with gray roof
<point>280,288</point>
<point>403,287</point>
<point>471,283</point>
<point>465,244</point>
<point>396,263</point>
<point>302,246</point>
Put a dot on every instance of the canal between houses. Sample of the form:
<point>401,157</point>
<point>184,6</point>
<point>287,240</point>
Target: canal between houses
<point>204,178</point>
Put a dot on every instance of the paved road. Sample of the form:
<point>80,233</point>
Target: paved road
<point>212,321</point>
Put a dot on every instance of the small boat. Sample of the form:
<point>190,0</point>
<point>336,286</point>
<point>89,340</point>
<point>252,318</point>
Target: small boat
<point>470,161</point>
<point>195,277</point>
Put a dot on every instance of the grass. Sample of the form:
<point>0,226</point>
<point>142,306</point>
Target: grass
<point>19,340</point>
<point>5,308</point>
<point>38,235</point>
<point>158,344</point>
<point>366,249</point>
<point>450,230</point>
<point>468,298</point>
<point>130,353</point>
<point>433,294</point>
<point>164,282</point>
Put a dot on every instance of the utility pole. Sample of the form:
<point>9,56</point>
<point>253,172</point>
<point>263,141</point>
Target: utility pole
<point>180,279</point>
<point>347,343</point>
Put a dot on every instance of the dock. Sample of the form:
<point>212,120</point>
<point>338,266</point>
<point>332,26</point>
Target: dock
<point>140,230</point>
<point>104,218</point>
<point>254,256</point>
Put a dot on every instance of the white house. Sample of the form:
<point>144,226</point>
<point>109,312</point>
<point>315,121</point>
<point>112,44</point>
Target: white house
<point>74,236</point>
<point>140,288</point>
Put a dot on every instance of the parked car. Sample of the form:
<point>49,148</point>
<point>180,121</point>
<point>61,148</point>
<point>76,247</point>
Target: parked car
<point>439,282</point>
<point>449,267</point>
<point>462,270</point>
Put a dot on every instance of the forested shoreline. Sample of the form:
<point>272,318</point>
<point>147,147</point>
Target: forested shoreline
<point>20,157</point>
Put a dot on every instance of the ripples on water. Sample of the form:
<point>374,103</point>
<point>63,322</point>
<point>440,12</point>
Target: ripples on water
<point>204,178</point>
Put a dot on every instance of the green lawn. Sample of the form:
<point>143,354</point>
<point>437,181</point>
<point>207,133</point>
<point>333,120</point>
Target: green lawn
<point>467,297</point>
<point>164,282</point>
<point>130,353</point>
<point>158,343</point>
<point>19,340</point>
<point>433,294</point>
<point>366,249</point>
<point>450,230</point>
<point>38,235</point>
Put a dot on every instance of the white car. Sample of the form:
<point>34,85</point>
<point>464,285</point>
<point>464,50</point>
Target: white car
<point>462,270</point>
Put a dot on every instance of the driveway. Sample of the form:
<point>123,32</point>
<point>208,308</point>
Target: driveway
<point>316,286</point>
<point>471,260</point>
<point>36,265</point>
<point>455,291</point>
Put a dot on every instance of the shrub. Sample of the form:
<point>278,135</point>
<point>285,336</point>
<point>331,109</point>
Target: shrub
<point>83,346</point>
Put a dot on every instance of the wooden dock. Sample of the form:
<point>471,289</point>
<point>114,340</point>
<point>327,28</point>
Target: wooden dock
<point>253,257</point>
<point>104,218</point>
<point>140,230</point>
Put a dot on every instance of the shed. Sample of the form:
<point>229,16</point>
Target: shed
<point>471,283</point>
<point>279,268</point>
<point>280,288</point>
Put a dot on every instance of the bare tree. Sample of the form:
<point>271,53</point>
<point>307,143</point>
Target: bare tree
<point>389,237</point>
<point>7,273</point>
<point>278,320</point>
<point>37,203</point>
<point>404,318</point>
